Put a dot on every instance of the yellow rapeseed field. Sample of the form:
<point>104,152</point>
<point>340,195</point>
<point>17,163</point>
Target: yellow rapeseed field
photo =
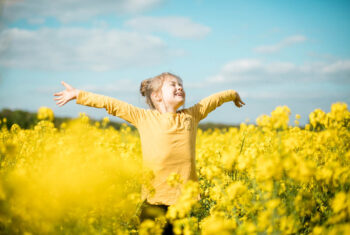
<point>269,178</point>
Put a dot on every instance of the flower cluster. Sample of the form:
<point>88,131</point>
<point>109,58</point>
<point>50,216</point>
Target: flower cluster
<point>45,113</point>
<point>338,117</point>
<point>279,119</point>
<point>78,179</point>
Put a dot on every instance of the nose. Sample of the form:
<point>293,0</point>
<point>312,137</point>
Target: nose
<point>179,88</point>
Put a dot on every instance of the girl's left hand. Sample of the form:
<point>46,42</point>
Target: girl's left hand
<point>238,102</point>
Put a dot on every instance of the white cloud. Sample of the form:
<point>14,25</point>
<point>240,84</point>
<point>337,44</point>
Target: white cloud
<point>241,66</point>
<point>176,26</point>
<point>77,48</point>
<point>277,94</point>
<point>120,86</point>
<point>253,70</point>
<point>124,86</point>
<point>254,67</point>
<point>337,67</point>
<point>284,43</point>
<point>72,10</point>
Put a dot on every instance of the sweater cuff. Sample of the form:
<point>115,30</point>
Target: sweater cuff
<point>80,97</point>
<point>233,95</point>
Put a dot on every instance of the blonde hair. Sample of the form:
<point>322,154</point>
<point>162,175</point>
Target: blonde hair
<point>148,86</point>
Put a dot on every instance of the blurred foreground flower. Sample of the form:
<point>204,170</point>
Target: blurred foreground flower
<point>45,113</point>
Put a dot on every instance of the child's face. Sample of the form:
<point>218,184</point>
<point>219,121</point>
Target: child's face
<point>173,93</point>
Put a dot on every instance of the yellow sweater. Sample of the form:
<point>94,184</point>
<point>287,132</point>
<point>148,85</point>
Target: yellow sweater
<point>168,140</point>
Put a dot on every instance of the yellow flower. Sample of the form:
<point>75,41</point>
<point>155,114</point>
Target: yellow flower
<point>45,113</point>
<point>216,224</point>
<point>235,190</point>
<point>174,179</point>
<point>340,202</point>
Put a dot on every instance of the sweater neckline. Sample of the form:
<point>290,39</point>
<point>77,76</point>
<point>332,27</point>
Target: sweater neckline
<point>168,113</point>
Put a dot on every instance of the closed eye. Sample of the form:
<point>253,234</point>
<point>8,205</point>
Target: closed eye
<point>174,84</point>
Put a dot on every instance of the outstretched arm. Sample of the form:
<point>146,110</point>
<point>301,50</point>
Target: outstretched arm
<point>113,106</point>
<point>210,103</point>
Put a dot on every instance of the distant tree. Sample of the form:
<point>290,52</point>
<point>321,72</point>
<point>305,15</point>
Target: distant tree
<point>22,118</point>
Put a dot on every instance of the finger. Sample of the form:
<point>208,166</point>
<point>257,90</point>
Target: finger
<point>60,99</point>
<point>60,102</point>
<point>66,85</point>
<point>64,102</point>
<point>57,98</point>
<point>58,93</point>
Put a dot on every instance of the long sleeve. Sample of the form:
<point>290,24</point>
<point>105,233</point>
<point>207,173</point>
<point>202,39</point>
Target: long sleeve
<point>113,106</point>
<point>210,103</point>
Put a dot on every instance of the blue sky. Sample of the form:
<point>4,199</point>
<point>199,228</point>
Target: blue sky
<point>293,53</point>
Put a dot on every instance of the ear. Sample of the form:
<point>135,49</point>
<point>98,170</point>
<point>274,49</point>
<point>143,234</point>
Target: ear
<point>156,96</point>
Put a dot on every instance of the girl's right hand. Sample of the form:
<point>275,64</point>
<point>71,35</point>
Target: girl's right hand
<point>66,95</point>
<point>238,102</point>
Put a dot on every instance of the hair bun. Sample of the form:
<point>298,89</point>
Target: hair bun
<point>144,86</point>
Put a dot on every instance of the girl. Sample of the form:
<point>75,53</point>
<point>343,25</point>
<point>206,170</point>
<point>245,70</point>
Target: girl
<point>168,135</point>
